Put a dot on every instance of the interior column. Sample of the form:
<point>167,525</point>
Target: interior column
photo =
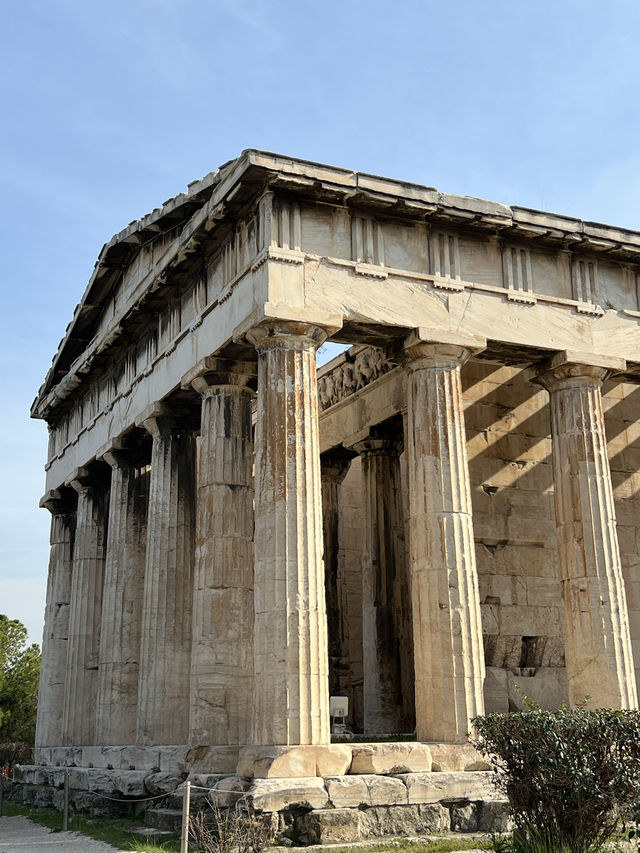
<point>382,556</point>
<point>334,466</point>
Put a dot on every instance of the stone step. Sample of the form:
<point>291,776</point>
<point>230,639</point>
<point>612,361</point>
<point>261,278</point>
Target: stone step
<point>165,819</point>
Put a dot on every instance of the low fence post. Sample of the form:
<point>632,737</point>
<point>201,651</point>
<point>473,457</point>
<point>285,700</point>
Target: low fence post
<point>186,806</point>
<point>65,812</point>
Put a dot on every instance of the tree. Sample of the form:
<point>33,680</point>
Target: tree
<point>19,675</point>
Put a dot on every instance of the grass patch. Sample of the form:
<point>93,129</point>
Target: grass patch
<point>441,845</point>
<point>111,831</point>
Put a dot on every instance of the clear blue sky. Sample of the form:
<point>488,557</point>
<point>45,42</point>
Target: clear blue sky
<point>111,107</point>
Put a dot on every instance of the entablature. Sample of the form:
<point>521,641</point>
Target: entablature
<point>288,237</point>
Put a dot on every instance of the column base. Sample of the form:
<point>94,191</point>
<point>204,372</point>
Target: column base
<point>270,762</point>
<point>153,759</point>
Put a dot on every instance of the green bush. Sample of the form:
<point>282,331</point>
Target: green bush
<point>569,775</point>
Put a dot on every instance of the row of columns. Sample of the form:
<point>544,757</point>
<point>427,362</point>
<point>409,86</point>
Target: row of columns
<point>221,637</point>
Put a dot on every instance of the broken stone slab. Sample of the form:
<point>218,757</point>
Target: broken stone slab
<point>176,759</point>
<point>42,755</point>
<point>98,756</point>
<point>464,818</point>
<point>380,821</point>
<point>388,758</point>
<point>327,826</point>
<point>272,795</point>
<point>206,780</point>
<point>365,790</point>
<point>96,780</point>
<point>163,782</point>
<point>213,759</point>
<point>85,800</point>
<point>32,774</point>
<point>495,817</point>
<point>141,758</point>
<point>456,757</point>
<point>37,795</point>
<point>66,756</point>
<point>167,820</point>
<point>432,787</point>
<point>131,783</point>
<point>228,792</point>
<point>283,762</point>
<point>348,825</point>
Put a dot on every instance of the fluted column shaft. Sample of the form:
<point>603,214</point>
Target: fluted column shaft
<point>56,619</point>
<point>381,558</point>
<point>333,471</point>
<point>222,651</point>
<point>85,613</point>
<point>598,652</point>
<point>165,649</point>
<point>291,701</point>
<point>119,663</point>
<point>448,651</point>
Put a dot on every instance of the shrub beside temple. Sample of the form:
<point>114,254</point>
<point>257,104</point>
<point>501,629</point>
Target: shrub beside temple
<point>570,775</point>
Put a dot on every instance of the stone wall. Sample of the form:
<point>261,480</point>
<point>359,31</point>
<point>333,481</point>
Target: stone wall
<point>509,448</point>
<point>623,445</point>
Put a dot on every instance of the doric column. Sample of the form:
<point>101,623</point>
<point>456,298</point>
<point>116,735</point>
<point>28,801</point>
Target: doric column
<point>85,613</point>
<point>222,650</point>
<point>291,701</point>
<point>447,633</point>
<point>62,506</point>
<point>165,648</point>
<point>118,667</point>
<point>596,623</point>
<point>382,556</point>
<point>333,469</point>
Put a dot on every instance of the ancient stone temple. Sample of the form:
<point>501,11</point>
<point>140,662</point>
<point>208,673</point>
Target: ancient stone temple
<point>448,509</point>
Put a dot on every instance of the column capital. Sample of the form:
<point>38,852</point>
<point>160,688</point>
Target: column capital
<point>164,419</point>
<point>334,465</point>
<point>121,453</point>
<point>83,479</point>
<point>377,445</point>
<point>270,316</point>
<point>287,334</point>
<point>425,347</point>
<point>58,501</point>
<point>213,373</point>
<point>571,369</point>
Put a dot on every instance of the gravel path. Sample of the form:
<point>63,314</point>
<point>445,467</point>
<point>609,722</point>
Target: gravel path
<point>20,835</point>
